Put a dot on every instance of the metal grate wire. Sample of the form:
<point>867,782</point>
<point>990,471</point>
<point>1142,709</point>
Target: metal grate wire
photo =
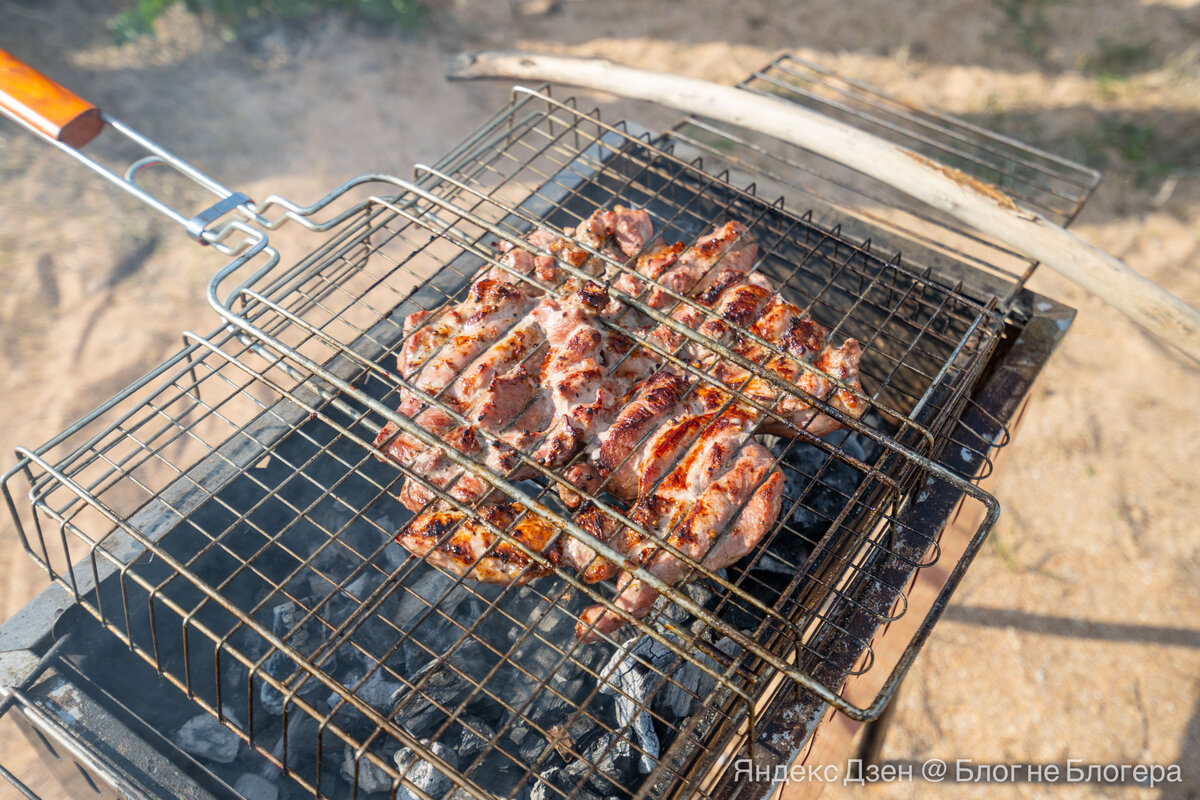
<point>1032,178</point>
<point>226,518</point>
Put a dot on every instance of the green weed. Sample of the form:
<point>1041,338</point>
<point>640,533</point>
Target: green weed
<point>1028,21</point>
<point>1116,58</point>
<point>138,20</point>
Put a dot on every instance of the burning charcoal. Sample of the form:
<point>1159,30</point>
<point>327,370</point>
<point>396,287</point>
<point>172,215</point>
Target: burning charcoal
<point>377,691</point>
<point>380,692</point>
<point>476,736</point>
<point>308,582</point>
<point>335,608</point>
<point>340,606</point>
<point>629,677</point>
<point>561,737</point>
<point>530,744</point>
<point>823,483</point>
<point>634,672</point>
<point>430,632</point>
<point>360,537</point>
<point>422,774</point>
<point>741,614</point>
<point>371,778</point>
<point>698,592</point>
<point>366,583</point>
<point>371,641</point>
<point>704,593</point>
<point>555,622</point>
<point>556,784</point>
<point>421,710</point>
<point>285,619</point>
<point>681,694</point>
<point>430,588</point>
<point>256,787</point>
<point>279,665</point>
<point>608,767</point>
<point>542,790</point>
<point>571,688</point>
<point>204,737</point>
<point>519,732</point>
<point>303,735</point>
<point>393,554</point>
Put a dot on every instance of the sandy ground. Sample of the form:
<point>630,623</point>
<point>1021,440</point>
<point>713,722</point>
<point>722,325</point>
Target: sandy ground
<point>1074,636</point>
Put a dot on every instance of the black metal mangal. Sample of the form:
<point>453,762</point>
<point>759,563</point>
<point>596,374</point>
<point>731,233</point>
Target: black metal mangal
<point>225,517</point>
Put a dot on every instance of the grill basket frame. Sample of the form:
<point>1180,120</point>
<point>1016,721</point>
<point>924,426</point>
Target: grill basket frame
<point>77,481</point>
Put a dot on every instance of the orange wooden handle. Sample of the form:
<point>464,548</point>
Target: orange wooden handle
<point>59,113</point>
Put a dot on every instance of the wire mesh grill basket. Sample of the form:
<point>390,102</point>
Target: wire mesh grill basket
<point>227,516</point>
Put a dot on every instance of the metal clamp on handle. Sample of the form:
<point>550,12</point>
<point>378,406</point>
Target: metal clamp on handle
<point>198,225</point>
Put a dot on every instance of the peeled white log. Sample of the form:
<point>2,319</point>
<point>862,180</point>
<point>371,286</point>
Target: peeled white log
<point>978,204</point>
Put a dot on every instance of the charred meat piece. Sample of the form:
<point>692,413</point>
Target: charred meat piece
<point>727,246</point>
<point>632,228</point>
<point>440,347</point>
<point>550,374</point>
<point>804,342</point>
<point>735,297</point>
<point>575,372</point>
<point>498,395</point>
<point>615,449</point>
<point>492,391</point>
<point>510,414</point>
<point>709,491</point>
<point>462,544</point>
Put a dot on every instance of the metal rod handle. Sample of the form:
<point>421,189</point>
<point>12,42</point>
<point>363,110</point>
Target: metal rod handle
<point>67,121</point>
<point>45,105</point>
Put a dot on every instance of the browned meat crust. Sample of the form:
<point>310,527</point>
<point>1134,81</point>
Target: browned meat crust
<point>548,376</point>
<point>462,544</point>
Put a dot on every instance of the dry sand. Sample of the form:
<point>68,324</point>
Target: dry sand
<point>1075,634</point>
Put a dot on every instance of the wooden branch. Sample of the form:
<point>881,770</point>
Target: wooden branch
<point>978,204</point>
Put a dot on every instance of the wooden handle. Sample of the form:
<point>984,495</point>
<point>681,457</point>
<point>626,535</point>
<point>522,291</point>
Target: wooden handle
<point>31,97</point>
<point>980,205</point>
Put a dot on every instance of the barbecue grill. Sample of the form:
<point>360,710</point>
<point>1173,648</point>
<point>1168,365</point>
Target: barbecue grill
<point>222,529</point>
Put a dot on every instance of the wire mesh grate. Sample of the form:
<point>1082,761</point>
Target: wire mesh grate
<point>228,519</point>
<point>1033,179</point>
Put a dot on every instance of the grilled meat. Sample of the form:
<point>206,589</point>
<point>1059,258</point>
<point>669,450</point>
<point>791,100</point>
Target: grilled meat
<point>741,303</point>
<point>804,341</point>
<point>549,374</point>
<point>693,270</point>
<point>656,399</point>
<point>477,369</point>
<point>575,372</point>
<point>473,357</point>
<point>462,544</point>
<point>706,489</point>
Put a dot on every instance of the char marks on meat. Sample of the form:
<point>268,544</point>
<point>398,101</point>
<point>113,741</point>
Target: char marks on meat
<point>553,374</point>
<point>464,544</point>
<point>576,372</point>
<point>710,492</point>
